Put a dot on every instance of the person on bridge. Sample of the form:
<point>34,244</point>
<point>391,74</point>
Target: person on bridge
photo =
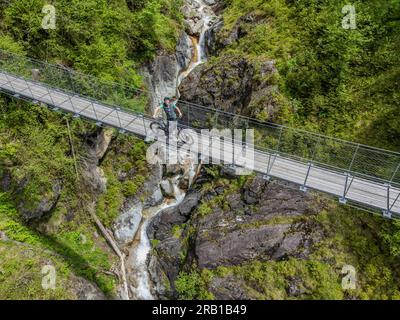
<point>170,108</point>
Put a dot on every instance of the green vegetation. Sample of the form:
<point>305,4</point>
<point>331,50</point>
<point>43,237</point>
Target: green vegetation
<point>331,80</point>
<point>108,39</point>
<point>342,82</point>
<point>193,285</point>
<point>71,253</point>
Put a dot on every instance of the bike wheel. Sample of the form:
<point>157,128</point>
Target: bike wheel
<point>155,127</point>
<point>185,137</point>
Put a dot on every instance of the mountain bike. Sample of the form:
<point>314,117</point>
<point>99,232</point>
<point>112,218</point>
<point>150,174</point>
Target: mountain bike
<point>160,124</point>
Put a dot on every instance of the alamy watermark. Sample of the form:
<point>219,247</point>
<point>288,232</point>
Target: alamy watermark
<point>216,146</point>
<point>349,280</point>
<point>49,277</point>
<point>349,20</point>
<point>49,20</point>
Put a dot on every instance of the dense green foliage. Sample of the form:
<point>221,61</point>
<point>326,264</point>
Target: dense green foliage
<point>343,82</point>
<point>105,38</point>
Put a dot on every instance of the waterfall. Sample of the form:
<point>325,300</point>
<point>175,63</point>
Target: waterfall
<point>199,43</point>
<point>138,253</point>
<point>139,279</point>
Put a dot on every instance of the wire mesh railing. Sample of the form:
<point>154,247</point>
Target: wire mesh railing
<point>63,78</point>
<point>349,157</point>
<point>360,160</point>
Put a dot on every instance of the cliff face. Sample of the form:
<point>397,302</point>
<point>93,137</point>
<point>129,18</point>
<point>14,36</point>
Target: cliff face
<point>235,84</point>
<point>249,238</point>
<point>234,223</point>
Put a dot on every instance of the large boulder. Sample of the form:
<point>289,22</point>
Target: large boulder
<point>95,148</point>
<point>127,224</point>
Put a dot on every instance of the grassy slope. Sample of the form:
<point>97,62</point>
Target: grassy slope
<point>336,81</point>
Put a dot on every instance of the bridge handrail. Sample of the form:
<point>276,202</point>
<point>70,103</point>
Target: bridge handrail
<point>342,155</point>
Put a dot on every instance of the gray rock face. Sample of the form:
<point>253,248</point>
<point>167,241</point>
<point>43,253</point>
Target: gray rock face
<point>127,224</point>
<point>165,265</point>
<point>97,144</point>
<point>155,199</point>
<point>184,51</point>
<point>232,84</point>
<point>3,236</point>
<point>259,222</point>
<point>86,290</point>
<point>161,75</point>
<point>167,187</point>
<point>241,28</point>
<point>161,225</point>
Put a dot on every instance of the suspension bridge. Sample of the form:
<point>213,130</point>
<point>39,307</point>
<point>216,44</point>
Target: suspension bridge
<point>355,174</point>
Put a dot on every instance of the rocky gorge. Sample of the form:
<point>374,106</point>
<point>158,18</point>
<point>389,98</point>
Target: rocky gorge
<point>84,200</point>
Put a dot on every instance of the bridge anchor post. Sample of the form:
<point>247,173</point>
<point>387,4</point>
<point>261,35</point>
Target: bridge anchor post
<point>304,188</point>
<point>387,214</point>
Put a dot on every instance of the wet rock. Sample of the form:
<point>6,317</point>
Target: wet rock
<point>5,180</point>
<point>161,287</point>
<point>253,189</point>
<point>103,142</point>
<point>189,203</point>
<point>213,248</point>
<point>160,76</point>
<point>127,224</point>
<point>151,188</point>
<point>160,227</point>
<point>168,252</point>
<point>96,146</point>
<point>167,186</point>
<point>184,51</point>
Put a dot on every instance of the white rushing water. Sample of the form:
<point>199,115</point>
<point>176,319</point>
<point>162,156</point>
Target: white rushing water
<point>199,44</point>
<point>139,279</point>
<point>137,261</point>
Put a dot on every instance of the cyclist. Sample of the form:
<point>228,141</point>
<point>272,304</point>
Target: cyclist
<point>170,108</point>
